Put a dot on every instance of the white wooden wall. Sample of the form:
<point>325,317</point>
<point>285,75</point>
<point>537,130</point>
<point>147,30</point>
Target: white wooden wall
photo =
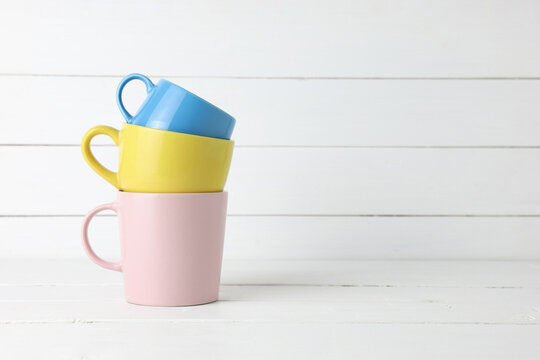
<point>365,129</point>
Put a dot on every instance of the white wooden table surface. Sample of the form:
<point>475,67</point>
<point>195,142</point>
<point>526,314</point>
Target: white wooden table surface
<point>71,309</point>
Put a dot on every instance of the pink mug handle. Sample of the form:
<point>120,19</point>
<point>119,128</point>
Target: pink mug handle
<point>116,266</point>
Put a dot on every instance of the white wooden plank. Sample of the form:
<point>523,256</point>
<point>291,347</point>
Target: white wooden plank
<point>314,181</point>
<point>292,112</point>
<point>234,297</point>
<point>278,38</point>
<point>268,341</point>
<point>277,237</point>
<point>423,274</point>
<point>279,304</point>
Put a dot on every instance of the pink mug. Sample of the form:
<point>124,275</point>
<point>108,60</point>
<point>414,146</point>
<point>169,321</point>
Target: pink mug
<point>172,246</point>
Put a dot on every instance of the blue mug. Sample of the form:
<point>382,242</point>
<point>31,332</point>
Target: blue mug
<point>170,107</point>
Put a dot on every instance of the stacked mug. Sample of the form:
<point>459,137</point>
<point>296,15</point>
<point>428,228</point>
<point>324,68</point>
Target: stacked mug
<point>174,158</point>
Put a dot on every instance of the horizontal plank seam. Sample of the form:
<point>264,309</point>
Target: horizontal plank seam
<point>383,286</point>
<point>534,258</point>
<point>241,77</point>
<point>306,215</point>
<point>255,321</point>
<point>315,146</point>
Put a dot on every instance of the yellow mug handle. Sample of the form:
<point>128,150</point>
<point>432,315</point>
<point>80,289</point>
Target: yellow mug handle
<point>102,171</point>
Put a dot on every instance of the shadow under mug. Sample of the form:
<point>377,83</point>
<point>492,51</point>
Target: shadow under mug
<point>171,245</point>
<point>158,161</point>
<point>170,107</point>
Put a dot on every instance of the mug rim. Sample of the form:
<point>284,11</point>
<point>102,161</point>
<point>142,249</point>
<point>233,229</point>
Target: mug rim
<point>122,193</point>
<point>174,133</point>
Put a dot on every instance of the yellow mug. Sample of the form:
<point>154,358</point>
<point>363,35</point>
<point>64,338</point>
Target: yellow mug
<point>159,161</point>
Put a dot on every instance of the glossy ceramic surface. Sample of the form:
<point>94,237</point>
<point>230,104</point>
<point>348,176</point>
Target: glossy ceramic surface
<point>170,107</point>
<point>158,161</point>
<point>172,246</point>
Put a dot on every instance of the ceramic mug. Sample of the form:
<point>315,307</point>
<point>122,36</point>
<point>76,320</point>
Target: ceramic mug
<point>171,245</point>
<point>170,107</point>
<point>158,161</point>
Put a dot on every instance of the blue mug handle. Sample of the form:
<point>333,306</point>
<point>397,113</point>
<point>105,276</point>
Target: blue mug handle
<point>149,87</point>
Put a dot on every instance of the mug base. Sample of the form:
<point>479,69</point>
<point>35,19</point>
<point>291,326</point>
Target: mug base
<point>172,304</point>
